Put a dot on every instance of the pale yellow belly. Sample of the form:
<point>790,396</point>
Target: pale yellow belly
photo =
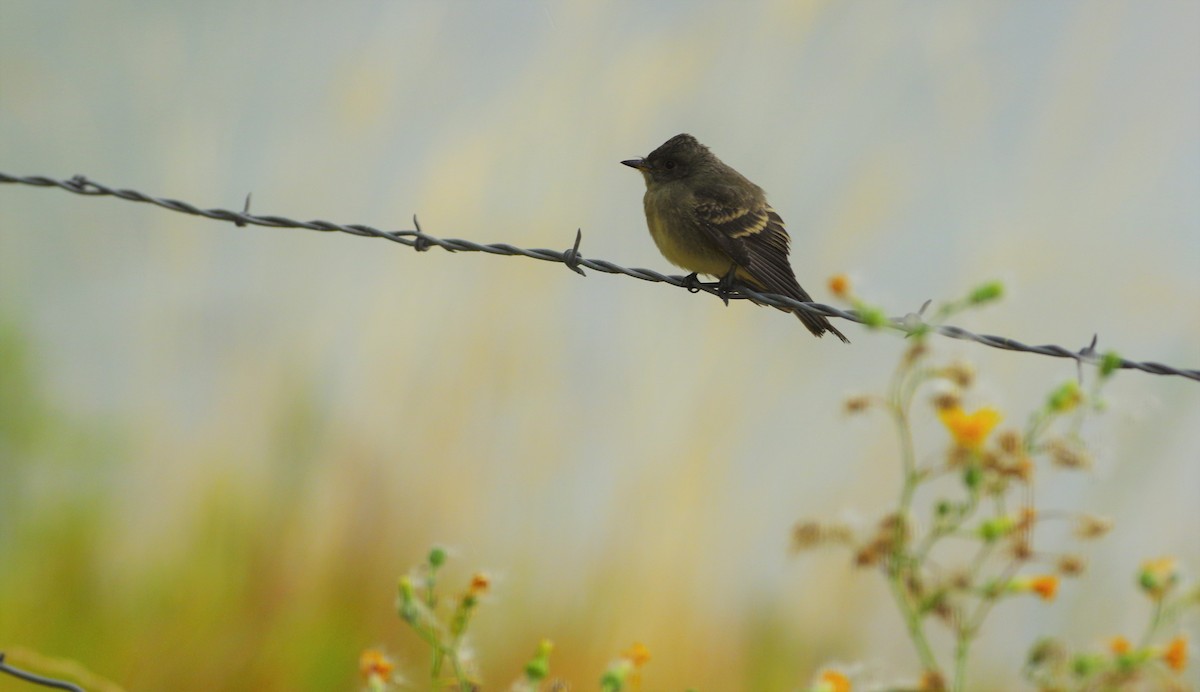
<point>686,248</point>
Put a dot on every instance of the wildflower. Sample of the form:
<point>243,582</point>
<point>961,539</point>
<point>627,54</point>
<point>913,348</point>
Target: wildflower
<point>831,681</point>
<point>969,430</point>
<point>1044,585</point>
<point>1158,577</point>
<point>1175,655</point>
<point>376,668</point>
<point>637,654</point>
<point>839,285</point>
<point>1119,645</point>
<point>479,584</point>
<point>625,668</point>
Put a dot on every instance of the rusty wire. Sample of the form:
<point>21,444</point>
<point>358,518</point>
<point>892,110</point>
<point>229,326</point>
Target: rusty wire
<point>576,262</point>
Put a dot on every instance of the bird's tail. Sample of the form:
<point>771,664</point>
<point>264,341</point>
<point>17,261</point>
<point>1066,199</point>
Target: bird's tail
<point>784,283</point>
<point>818,324</point>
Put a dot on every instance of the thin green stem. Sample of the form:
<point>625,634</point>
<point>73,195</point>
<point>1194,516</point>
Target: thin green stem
<point>962,649</point>
<point>912,620</point>
<point>1155,620</point>
<point>900,562</point>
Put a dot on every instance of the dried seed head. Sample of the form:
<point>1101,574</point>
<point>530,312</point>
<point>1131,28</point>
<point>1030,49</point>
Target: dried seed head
<point>1067,455</point>
<point>946,401</point>
<point>856,404</point>
<point>1071,565</point>
<point>1090,526</point>
<point>1009,441</point>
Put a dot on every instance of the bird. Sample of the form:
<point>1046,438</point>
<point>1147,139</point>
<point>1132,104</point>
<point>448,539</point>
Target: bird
<point>707,218</point>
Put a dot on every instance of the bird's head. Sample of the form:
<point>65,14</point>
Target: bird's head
<point>677,158</point>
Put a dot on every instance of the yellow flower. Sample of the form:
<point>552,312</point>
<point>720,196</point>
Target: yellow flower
<point>1176,654</point>
<point>832,681</point>
<point>969,430</point>
<point>637,654</point>
<point>1119,645</point>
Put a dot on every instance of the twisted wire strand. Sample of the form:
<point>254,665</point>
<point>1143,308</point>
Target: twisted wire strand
<point>576,262</point>
<point>37,679</point>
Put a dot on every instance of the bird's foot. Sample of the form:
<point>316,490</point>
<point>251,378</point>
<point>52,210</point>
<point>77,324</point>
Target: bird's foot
<point>727,284</point>
<point>692,283</point>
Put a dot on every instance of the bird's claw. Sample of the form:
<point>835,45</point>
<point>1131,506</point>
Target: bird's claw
<point>727,284</point>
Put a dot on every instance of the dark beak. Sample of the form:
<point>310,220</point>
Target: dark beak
<point>639,164</point>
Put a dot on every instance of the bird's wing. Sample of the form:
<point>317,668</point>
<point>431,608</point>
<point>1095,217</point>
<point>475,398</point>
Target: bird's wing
<point>754,237</point>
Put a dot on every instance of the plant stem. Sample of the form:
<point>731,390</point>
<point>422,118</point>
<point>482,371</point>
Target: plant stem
<point>961,647</point>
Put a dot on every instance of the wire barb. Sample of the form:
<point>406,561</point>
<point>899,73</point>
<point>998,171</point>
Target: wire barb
<point>240,221</point>
<point>418,240</point>
<point>571,257</point>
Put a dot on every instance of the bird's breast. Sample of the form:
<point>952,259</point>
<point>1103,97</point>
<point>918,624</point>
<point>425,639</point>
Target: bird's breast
<point>677,237</point>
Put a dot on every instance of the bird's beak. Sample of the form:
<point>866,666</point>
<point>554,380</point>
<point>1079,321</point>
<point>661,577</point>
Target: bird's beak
<point>639,164</point>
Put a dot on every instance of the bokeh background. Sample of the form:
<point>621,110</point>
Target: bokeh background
<point>221,446</point>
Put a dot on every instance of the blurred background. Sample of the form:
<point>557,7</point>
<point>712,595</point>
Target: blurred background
<point>221,446</point>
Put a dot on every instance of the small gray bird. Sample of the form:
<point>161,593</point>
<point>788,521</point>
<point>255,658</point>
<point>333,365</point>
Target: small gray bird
<point>709,219</point>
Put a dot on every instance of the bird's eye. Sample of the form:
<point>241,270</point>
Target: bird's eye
<point>669,165</point>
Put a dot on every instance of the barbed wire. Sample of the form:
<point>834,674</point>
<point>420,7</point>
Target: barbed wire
<point>36,679</point>
<point>576,262</point>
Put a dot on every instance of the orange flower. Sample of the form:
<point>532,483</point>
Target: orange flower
<point>1119,645</point>
<point>374,664</point>
<point>839,285</point>
<point>832,681</point>
<point>1045,586</point>
<point>969,430</point>
<point>480,583</point>
<point>1176,654</point>
<point>637,654</point>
